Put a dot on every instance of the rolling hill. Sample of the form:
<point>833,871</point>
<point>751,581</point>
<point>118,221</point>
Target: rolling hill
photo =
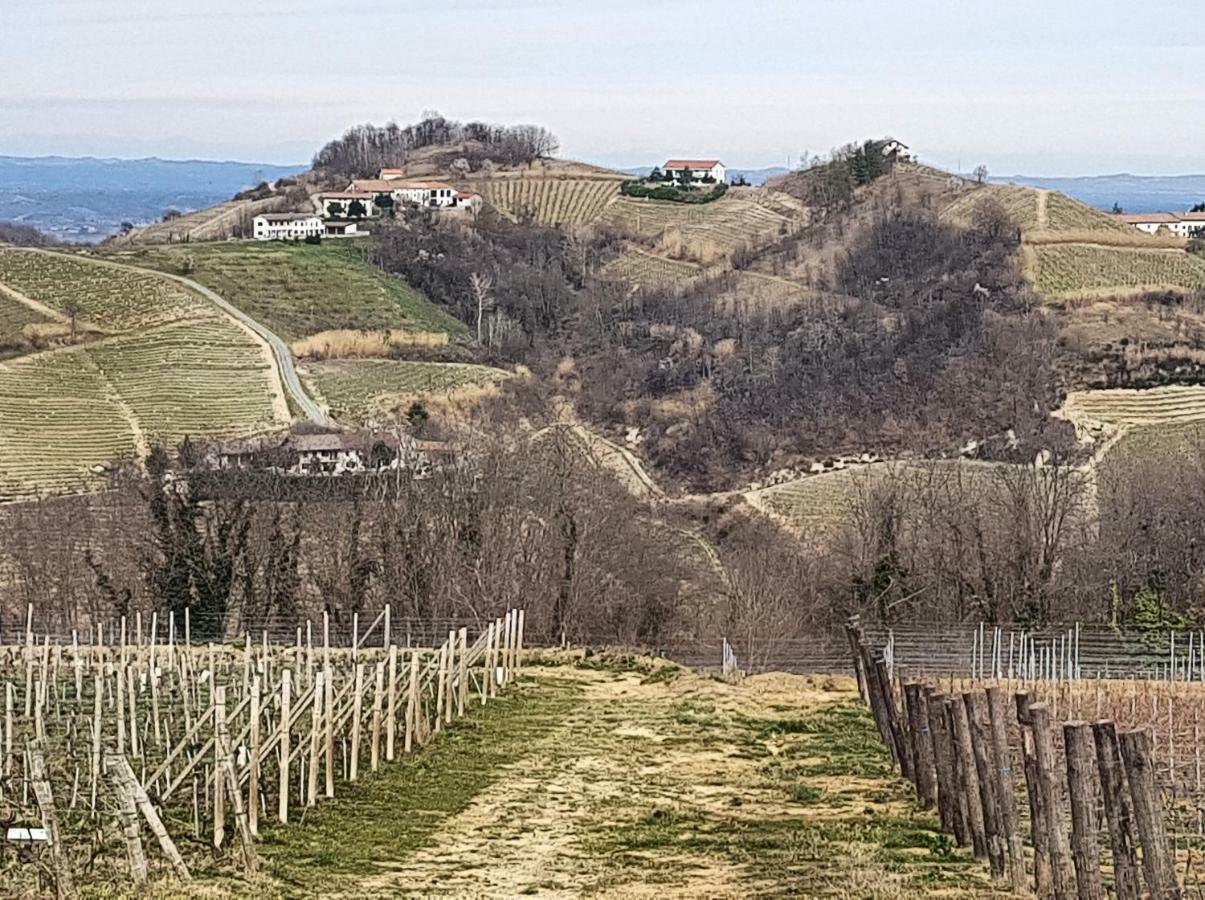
<point>155,363</point>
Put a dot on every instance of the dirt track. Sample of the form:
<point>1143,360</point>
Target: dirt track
<point>668,784</point>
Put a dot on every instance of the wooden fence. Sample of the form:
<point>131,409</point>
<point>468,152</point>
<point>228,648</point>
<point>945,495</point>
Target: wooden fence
<point>959,749</point>
<point>210,741</point>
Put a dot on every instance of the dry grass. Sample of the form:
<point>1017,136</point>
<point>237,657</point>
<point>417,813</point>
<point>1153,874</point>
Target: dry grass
<point>346,343</point>
<point>1061,271</point>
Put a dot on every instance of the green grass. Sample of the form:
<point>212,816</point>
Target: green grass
<point>358,389</point>
<point>302,289</point>
<point>14,316</point>
<point>387,816</point>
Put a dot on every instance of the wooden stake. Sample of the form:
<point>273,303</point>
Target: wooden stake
<point>377,701</point>
<point>1158,864</point>
<point>1006,798</point>
<point>50,820</point>
<point>1085,850</point>
<point>286,688</point>
<point>1062,874</point>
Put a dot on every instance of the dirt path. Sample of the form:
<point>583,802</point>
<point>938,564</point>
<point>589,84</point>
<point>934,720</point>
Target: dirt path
<point>644,782</point>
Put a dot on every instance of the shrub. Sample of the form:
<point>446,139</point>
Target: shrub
<point>677,194</point>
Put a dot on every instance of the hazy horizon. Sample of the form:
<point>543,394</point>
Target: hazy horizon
<point>1032,89</point>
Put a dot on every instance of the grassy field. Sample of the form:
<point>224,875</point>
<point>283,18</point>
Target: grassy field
<point>297,290</point>
<point>356,390</point>
<point>550,201</point>
<point>655,272</point>
<point>630,778</point>
<point>1061,271</point>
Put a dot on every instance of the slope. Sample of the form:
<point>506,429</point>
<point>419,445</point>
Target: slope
<point>301,290</point>
<point>160,364</point>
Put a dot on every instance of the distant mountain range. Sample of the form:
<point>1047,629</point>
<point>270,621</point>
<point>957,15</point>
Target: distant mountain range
<point>87,199</point>
<point>1133,193</point>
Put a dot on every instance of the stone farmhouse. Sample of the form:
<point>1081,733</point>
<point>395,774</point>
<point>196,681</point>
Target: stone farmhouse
<point>1185,225</point>
<point>695,171</point>
<point>332,453</point>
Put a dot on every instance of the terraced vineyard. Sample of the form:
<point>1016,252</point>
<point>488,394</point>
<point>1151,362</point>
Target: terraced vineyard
<point>1166,405</point>
<point>57,421</point>
<point>15,315</point>
<point>551,201</point>
<point>654,272</point>
<point>728,223</point>
<point>1065,214</point>
<point>355,390</point>
<point>198,378</point>
<point>300,290</point>
<point>1068,270</point>
<point>112,299</point>
<point>176,366</point>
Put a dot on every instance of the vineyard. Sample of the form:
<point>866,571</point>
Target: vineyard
<point>112,299</point>
<point>198,378</point>
<point>1108,793</point>
<point>653,272</point>
<point>1167,405</point>
<point>709,229</point>
<point>15,315</point>
<point>1061,271</point>
<point>146,754</point>
<point>214,223</point>
<point>299,290</point>
<point>550,201</point>
<point>356,390</point>
<point>57,420</point>
<point>175,366</point>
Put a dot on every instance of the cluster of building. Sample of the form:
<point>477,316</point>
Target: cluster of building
<point>336,453</point>
<point>1185,225</point>
<point>342,213</point>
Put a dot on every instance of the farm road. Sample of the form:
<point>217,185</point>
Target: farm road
<point>280,350</point>
<point>636,780</point>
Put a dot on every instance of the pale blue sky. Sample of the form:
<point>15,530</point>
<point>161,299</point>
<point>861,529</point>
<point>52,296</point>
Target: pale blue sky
<point>1033,86</point>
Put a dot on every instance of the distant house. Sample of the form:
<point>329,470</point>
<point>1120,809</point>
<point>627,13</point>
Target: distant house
<point>469,201</point>
<point>391,174</point>
<point>286,226</point>
<point>342,205</point>
<point>1183,225</point>
<point>695,171</point>
<point>343,228</point>
<point>426,193</point>
<point>337,453</point>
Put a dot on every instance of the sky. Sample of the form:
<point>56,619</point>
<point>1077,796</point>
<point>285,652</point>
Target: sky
<point>1041,87</point>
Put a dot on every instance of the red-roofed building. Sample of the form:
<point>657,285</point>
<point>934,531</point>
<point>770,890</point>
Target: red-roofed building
<point>1184,225</point>
<point>695,171</point>
<point>391,174</point>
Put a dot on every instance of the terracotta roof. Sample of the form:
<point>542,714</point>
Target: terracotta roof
<point>346,195</point>
<point>385,172</point>
<point>376,185</point>
<point>691,164</point>
<point>1142,218</point>
<point>1192,217</point>
<point>462,195</point>
<point>286,217</point>
<point>423,185</point>
<point>437,447</point>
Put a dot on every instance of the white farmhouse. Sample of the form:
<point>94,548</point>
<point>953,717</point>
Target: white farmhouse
<point>286,226</point>
<point>425,193</point>
<point>340,205</point>
<point>695,171</point>
<point>1185,225</point>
